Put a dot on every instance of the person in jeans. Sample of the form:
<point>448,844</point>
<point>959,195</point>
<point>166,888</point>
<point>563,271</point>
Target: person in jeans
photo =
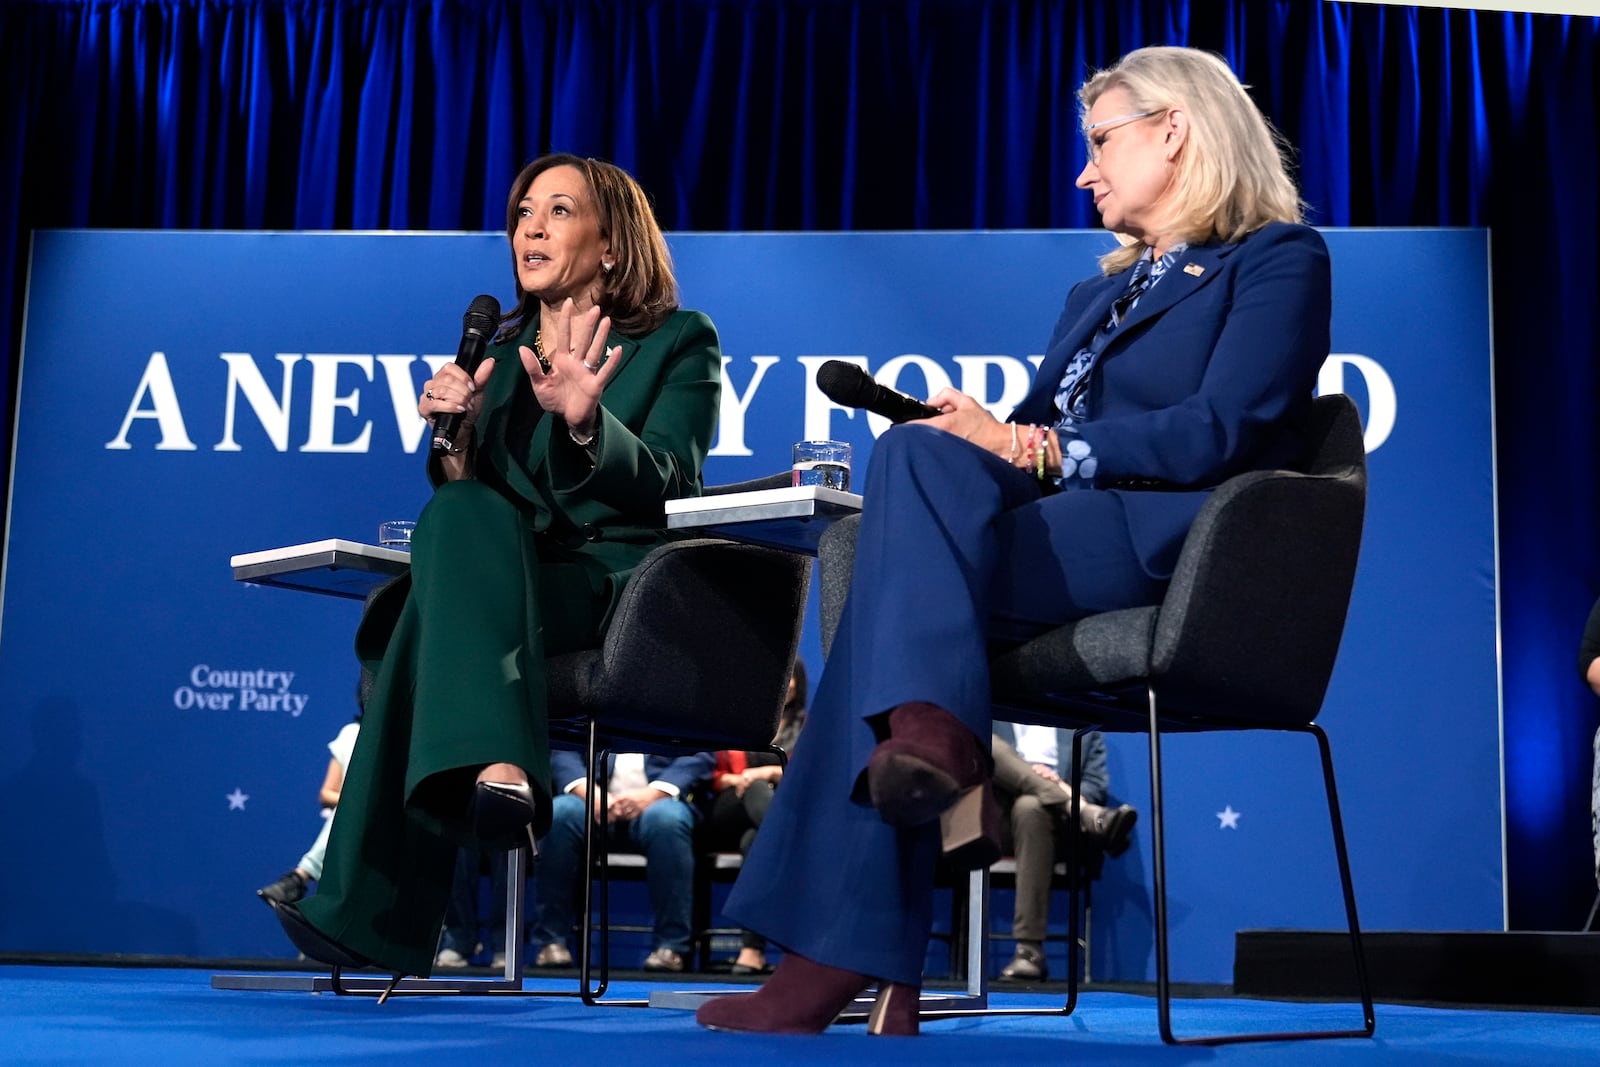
<point>650,808</point>
<point>742,788</point>
<point>459,942</point>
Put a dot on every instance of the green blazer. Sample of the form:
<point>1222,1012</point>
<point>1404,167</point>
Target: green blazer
<point>657,418</point>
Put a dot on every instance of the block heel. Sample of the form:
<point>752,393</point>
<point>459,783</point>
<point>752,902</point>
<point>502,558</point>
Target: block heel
<point>969,830</point>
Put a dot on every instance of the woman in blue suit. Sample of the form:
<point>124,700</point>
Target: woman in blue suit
<point>1191,358</point>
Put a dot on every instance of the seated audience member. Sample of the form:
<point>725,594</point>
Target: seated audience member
<point>460,941</point>
<point>650,809</point>
<point>1036,800</point>
<point>742,786</point>
<point>292,885</point>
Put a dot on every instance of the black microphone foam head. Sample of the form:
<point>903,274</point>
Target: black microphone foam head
<point>845,383</point>
<point>483,314</point>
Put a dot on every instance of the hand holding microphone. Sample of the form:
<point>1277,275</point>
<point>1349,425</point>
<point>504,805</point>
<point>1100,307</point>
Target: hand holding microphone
<point>482,318</point>
<point>848,385</point>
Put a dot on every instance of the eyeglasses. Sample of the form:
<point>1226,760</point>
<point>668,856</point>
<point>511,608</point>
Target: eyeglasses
<point>1096,143</point>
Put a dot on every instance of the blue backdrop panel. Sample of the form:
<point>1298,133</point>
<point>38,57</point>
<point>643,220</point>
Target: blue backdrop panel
<point>163,731</point>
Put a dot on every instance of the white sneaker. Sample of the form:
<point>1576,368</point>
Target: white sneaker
<point>555,954</point>
<point>664,959</point>
<point>449,957</point>
<point>498,961</point>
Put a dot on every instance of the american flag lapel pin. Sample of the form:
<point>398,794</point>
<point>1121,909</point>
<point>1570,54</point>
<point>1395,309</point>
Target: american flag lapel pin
<point>1194,270</point>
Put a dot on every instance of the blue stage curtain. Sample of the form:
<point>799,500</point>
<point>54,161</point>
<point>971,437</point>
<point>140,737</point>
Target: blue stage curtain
<point>830,114</point>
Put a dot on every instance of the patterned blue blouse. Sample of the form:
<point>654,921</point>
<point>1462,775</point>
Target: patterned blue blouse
<point>1078,462</point>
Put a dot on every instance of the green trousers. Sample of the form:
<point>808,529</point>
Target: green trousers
<point>460,683</point>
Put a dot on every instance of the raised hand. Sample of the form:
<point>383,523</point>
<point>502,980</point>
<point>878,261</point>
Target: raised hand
<point>571,377</point>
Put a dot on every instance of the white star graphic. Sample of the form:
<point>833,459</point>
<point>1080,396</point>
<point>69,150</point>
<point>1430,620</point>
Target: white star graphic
<point>236,799</point>
<point>1228,818</point>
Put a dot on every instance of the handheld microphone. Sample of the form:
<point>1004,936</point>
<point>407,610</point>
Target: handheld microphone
<point>849,385</point>
<point>477,328</point>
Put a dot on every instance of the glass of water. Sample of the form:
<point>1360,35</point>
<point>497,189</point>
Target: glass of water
<point>824,463</point>
<point>396,534</point>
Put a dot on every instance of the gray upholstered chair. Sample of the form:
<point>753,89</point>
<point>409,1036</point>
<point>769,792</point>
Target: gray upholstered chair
<point>697,657</point>
<point>1245,639</point>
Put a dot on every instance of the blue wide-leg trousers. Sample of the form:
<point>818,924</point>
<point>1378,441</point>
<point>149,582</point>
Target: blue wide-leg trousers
<point>955,545</point>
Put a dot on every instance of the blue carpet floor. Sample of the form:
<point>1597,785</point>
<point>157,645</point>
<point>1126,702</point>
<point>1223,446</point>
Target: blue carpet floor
<point>94,1015</point>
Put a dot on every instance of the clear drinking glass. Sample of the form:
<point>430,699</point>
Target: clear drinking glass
<point>824,463</point>
<point>396,534</point>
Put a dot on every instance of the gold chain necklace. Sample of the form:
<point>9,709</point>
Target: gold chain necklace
<point>538,350</point>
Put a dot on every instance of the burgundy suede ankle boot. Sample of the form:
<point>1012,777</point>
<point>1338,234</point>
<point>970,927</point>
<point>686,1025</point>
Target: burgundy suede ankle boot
<point>801,997</point>
<point>933,767</point>
<point>896,1012</point>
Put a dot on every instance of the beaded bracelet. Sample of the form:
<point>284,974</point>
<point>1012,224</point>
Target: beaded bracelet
<point>1044,444</point>
<point>1012,459</point>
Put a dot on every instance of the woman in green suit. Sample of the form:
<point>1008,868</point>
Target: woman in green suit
<point>596,403</point>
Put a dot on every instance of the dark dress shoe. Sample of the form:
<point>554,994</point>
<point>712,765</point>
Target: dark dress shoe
<point>503,814</point>
<point>313,943</point>
<point>1027,965</point>
<point>286,890</point>
<point>1113,827</point>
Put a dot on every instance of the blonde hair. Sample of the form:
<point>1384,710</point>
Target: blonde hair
<point>1231,177</point>
<point>640,290</point>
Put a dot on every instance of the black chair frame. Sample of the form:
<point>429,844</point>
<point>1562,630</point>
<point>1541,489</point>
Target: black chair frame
<point>1070,870</point>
